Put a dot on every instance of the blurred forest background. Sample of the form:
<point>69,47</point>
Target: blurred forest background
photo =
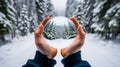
<point>20,17</point>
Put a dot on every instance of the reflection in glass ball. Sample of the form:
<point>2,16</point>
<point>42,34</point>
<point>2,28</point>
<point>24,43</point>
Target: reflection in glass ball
<point>59,27</point>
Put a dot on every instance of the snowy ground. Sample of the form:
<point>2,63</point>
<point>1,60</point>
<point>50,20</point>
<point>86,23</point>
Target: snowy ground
<point>99,53</point>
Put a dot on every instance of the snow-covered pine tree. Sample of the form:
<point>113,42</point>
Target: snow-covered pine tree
<point>87,9</point>
<point>7,19</point>
<point>78,14</point>
<point>49,9</point>
<point>53,32</point>
<point>23,25</point>
<point>65,32</point>
<point>116,27</point>
<point>71,7</point>
<point>104,16</point>
<point>32,16</point>
<point>5,27</point>
<point>71,30</point>
<point>17,6</point>
<point>31,7</point>
<point>40,6</point>
<point>111,19</point>
<point>50,30</point>
<point>32,23</point>
<point>46,30</point>
<point>12,16</point>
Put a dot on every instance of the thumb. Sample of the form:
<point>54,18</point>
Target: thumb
<point>75,21</point>
<point>80,32</point>
<point>41,29</point>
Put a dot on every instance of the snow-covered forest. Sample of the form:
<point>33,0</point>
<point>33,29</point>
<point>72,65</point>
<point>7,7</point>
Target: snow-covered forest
<point>20,17</point>
<point>100,20</point>
<point>97,16</point>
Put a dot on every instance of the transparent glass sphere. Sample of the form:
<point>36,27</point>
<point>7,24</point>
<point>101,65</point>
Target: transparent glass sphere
<point>59,28</point>
<point>59,32</point>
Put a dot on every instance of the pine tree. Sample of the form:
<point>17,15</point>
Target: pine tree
<point>53,32</point>
<point>50,30</point>
<point>88,7</point>
<point>32,16</point>
<point>116,28</point>
<point>65,32</point>
<point>46,30</point>
<point>71,7</point>
<point>40,6</point>
<point>105,17</point>
<point>72,30</point>
<point>23,25</point>
<point>78,14</point>
<point>112,20</point>
<point>7,19</point>
<point>32,24</point>
<point>49,9</point>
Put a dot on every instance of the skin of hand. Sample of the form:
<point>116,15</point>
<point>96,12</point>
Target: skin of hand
<point>77,43</point>
<point>40,42</point>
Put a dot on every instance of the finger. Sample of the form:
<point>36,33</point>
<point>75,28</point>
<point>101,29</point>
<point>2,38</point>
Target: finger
<point>75,21</point>
<point>81,31</point>
<point>39,30</point>
<point>36,34</point>
<point>46,20</point>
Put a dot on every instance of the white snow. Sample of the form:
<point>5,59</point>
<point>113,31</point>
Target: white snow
<point>99,27</point>
<point>97,52</point>
<point>113,8</point>
<point>113,22</point>
<point>94,25</point>
<point>101,53</point>
<point>1,16</point>
<point>98,6</point>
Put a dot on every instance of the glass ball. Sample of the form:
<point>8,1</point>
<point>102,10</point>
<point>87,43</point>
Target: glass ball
<point>59,28</point>
<point>59,32</point>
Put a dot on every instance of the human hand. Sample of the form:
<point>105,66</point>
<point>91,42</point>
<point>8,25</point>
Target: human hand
<point>78,42</point>
<point>40,42</point>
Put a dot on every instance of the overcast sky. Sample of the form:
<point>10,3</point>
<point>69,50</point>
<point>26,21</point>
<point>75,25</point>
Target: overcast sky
<point>60,6</point>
